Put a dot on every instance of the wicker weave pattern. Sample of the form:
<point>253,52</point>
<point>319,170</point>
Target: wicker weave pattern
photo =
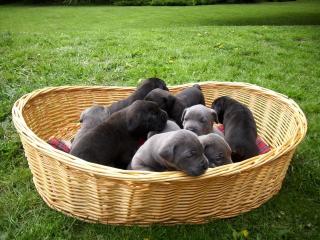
<point>102,194</point>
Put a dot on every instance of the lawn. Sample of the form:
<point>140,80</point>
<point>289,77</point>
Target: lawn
<point>274,45</point>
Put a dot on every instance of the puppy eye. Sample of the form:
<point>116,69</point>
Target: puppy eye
<point>202,120</point>
<point>190,154</point>
<point>219,155</point>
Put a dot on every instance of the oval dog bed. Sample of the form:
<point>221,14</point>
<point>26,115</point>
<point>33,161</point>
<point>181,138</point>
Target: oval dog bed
<point>108,195</point>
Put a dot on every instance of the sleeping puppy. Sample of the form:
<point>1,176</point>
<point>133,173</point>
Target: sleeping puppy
<point>216,149</point>
<point>139,94</point>
<point>200,119</point>
<point>170,126</point>
<point>90,118</point>
<point>178,150</point>
<point>240,129</point>
<point>115,141</point>
<point>175,105</point>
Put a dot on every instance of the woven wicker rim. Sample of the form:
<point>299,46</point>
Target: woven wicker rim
<point>142,176</point>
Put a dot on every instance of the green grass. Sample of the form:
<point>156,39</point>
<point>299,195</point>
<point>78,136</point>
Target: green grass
<point>51,46</point>
<point>95,18</point>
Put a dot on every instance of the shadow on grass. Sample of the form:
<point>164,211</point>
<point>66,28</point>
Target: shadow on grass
<point>283,19</point>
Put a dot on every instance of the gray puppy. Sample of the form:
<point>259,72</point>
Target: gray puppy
<point>216,149</point>
<point>177,150</point>
<point>90,118</point>
<point>200,119</point>
<point>170,126</point>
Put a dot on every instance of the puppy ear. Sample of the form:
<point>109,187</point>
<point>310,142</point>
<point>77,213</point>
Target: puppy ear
<point>183,114</point>
<point>133,122</point>
<point>217,107</point>
<point>214,116</point>
<point>167,152</point>
<point>170,101</point>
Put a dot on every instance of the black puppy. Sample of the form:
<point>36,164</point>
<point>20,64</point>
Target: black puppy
<point>191,96</point>
<point>240,129</point>
<point>115,141</point>
<point>95,115</point>
<point>174,105</point>
<point>139,94</point>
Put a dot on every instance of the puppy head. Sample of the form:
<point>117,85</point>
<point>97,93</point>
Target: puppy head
<point>154,83</point>
<point>93,116</point>
<point>183,151</point>
<point>197,86</point>
<point>199,119</point>
<point>216,149</point>
<point>145,116</point>
<point>219,105</point>
<point>163,98</point>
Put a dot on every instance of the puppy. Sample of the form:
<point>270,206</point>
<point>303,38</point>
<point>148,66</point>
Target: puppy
<point>216,149</point>
<point>175,105</point>
<point>240,129</point>
<point>95,115</point>
<point>191,96</point>
<point>178,150</point>
<point>170,126</point>
<point>90,118</point>
<point>115,141</point>
<point>199,119</point>
<point>139,94</point>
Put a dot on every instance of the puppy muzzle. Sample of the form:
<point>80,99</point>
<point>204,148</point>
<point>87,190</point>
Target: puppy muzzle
<point>201,169</point>
<point>192,129</point>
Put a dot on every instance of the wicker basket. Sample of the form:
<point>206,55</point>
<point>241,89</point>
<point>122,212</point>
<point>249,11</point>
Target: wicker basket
<point>107,195</point>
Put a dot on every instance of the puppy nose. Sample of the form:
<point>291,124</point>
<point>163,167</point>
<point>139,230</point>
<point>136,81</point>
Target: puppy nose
<point>205,165</point>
